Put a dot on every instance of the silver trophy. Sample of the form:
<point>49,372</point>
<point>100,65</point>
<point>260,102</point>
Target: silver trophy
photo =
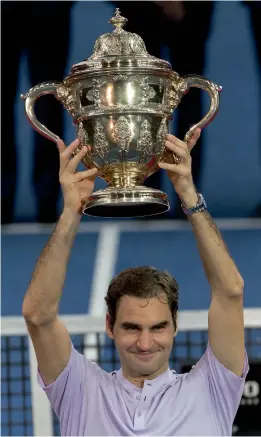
<point>121,100</point>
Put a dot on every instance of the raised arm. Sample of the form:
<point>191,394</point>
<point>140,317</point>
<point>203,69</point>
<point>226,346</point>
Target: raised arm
<point>40,306</point>
<point>226,324</point>
<point>225,318</point>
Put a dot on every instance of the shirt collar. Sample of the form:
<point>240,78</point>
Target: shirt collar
<point>166,378</point>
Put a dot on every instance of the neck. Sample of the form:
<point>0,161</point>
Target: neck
<point>138,380</point>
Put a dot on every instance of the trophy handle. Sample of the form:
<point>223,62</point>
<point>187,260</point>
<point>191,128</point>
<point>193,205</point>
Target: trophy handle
<point>55,88</point>
<point>194,81</point>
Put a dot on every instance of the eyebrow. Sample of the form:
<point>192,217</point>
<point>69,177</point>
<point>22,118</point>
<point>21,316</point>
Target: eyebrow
<point>130,325</point>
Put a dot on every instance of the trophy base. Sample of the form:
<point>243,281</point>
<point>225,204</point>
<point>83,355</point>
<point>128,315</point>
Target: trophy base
<point>126,202</point>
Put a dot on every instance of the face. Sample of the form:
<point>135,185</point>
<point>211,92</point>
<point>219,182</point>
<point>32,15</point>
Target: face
<point>143,334</point>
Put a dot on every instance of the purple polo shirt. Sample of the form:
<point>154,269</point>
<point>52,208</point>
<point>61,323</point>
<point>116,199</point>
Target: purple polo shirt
<point>90,402</point>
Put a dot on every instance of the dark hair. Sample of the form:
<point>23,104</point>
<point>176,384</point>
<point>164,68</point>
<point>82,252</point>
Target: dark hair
<point>143,282</point>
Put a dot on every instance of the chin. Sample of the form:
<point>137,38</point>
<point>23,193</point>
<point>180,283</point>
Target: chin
<point>146,370</point>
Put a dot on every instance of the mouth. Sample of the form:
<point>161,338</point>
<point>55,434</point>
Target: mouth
<point>145,356</point>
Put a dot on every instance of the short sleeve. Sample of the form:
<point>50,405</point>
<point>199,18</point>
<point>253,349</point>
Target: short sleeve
<point>67,391</point>
<point>226,389</point>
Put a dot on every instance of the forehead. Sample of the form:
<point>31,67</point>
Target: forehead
<point>143,311</point>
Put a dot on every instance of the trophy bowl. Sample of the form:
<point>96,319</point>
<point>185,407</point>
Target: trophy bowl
<point>121,100</point>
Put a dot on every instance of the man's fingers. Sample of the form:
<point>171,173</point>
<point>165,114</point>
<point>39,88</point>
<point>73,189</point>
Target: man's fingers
<point>182,144</point>
<point>61,146</point>
<point>181,153</point>
<point>76,159</point>
<point>87,174</point>
<point>180,169</point>
<point>174,140</point>
<point>193,140</point>
<point>67,152</point>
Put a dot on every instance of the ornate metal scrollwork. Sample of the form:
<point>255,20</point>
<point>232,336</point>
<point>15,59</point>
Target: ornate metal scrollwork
<point>122,133</point>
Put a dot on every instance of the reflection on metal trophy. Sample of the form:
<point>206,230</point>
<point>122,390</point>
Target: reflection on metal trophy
<point>121,100</point>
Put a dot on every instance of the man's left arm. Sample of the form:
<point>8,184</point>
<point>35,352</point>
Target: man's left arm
<point>226,323</point>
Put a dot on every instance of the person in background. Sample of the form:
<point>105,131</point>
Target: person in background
<point>40,31</point>
<point>255,20</point>
<point>184,27</point>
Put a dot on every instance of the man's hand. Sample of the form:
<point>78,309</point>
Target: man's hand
<point>181,174</point>
<point>76,186</point>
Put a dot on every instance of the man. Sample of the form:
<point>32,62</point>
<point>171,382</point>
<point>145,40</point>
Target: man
<point>144,397</point>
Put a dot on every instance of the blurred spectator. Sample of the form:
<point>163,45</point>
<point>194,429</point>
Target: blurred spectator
<point>255,17</point>
<point>41,31</point>
<point>184,27</point>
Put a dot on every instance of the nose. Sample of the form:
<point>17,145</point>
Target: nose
<point>144,342</point>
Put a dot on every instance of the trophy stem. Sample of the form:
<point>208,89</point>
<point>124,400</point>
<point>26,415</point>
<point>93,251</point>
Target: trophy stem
<point>122,202</point>
<point>123,180</point>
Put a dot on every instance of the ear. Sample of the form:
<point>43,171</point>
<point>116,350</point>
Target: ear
<point>176,331</point>
<point>108,327</point>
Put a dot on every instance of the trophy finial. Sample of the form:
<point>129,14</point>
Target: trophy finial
<point>118,21</point>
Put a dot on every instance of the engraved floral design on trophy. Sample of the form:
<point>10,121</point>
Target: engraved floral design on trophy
<point>176,91</point>
<point>100,144</point>
<point>161,137</point>
<point>182,86</point>
<point>147,91</point>
<point>161,85</point>
<point>145,142</point>
<point>93,95</point>
<point>72,104</point>
<point>82,135</point>
<point>42,86</point>
<point>123,134</point>
<point>68,99</point>
<point>117,77</point>
<point>172,96</point>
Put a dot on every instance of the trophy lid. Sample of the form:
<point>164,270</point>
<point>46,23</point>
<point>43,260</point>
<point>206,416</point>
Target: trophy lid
<point>119,49</point>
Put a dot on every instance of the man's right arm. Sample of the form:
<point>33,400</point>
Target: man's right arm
<point>50,337</point>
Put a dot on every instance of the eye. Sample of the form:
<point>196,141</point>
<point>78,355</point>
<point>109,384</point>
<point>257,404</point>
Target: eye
<point>158,328</point>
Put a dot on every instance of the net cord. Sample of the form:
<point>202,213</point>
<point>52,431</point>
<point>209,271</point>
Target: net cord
<point>85,324</point>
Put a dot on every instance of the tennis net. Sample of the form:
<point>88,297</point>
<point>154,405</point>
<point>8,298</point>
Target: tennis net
<point>26,410</point>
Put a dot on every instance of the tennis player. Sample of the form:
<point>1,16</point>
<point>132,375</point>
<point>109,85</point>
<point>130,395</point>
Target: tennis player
<point>144,397</point>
